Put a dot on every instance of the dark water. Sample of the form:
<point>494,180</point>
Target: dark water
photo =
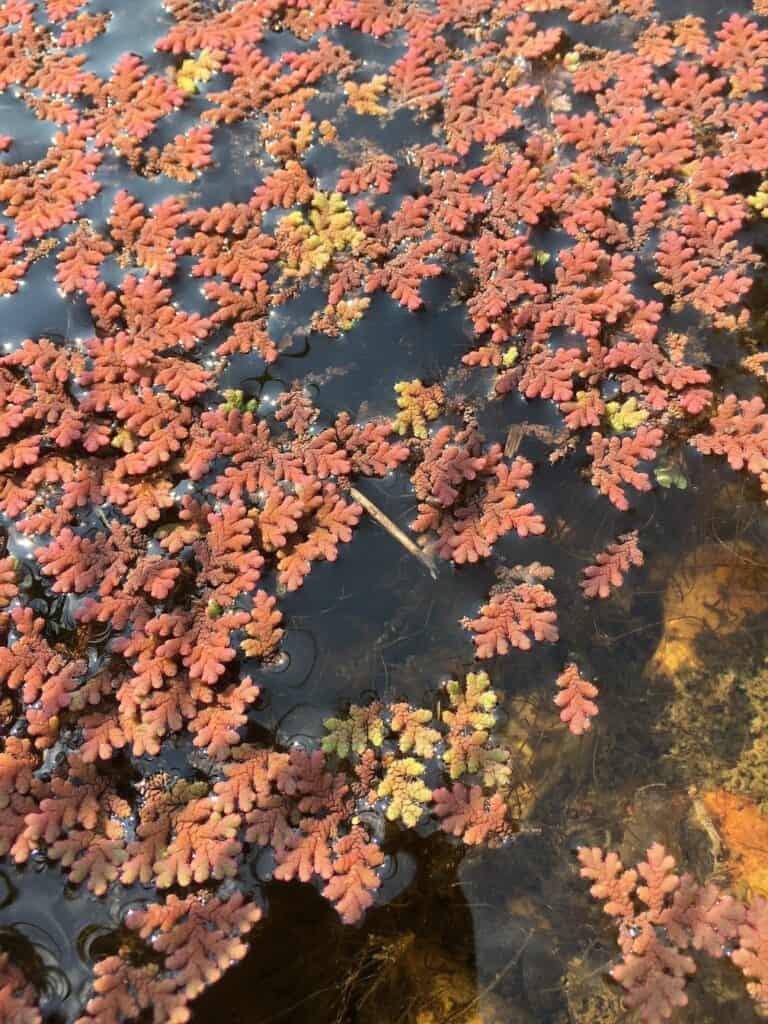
<point>474,936</point>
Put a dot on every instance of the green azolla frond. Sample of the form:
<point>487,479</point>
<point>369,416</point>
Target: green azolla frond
<point>415,734</point>
<point>671,474</point>
<point>235,401</point>
<point>361,727</point>
<point>473,702</point>
<point>418,404</point>
<point>407,792</point>
<point>510,357</point>
<point>625,415</point>
<point>759,201</point>
<point>312,242</point>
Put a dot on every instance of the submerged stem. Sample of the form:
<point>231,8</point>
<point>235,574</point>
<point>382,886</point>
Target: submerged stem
<point>394,531</point>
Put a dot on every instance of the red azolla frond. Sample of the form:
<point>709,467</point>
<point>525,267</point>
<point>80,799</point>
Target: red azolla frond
<point>157,421</point>
<point>374,17</point>
<point>586,410</point>
<point>295,409</point>
<point>102,735</point>
<point>285,187</point>
<point>667,150</point>
<point>615,461</point>
<point>702,915</point>
<point>123,992</point>
<point>198,937</point>
<point>368,446</point>
<point>520,194</point>
<point>153,245</point>
<point>18,760</point>
<point>12,269</point>
<point>743,45</point>
<point>204,643</point>
<point>95,858</point>
<point>256,81</point>
<point>740,432</point>
<point>60,10</point>
<point>354,879</point>
<point>408,221</point>
<point>46,678</point>
<point>477,109</point>
<point>143,500</point>
<point>126,219</point>
<point>8,580</point>
<point>199,29</point>
<point>47,194</point>
<point>308,851</point>
<point>215,727</point>
<point>185,156</point>
<point>66,806</point>
<point>83,29</point>
<point>375,174</point>
<point>575,697</point>
<point>318,455</point>
<point>501,509</point>
<point>79,261</point>
<point>523,39</point>
<point>504,280</point>
<point>586,131</point>
<point>452,201</point>
<point>18,1000</point>
<point>76,562</point>
<point>549,374</point>
<point>511,616</point>
<point>467,813</point>
<point>402,275</point>
<point>230,562</point>
<point>244,261</point>
<point>263,632</point>
<point>752,955</point>
<point>610,565</point>
<point>132,102</point>
<point>326,58</point>
<point>279,518</point>
<point>251,776</point>
<point>333,521</point>
<point>450,458</point>
<point>249,445</point>
<point>691,95</point>
<point>14,839</point>
<point>411,83</point>
<point>203,847</point>
<point>611,883</point>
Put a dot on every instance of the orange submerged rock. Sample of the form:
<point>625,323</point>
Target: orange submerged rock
<point>715,589</point>
<point>744,829</point>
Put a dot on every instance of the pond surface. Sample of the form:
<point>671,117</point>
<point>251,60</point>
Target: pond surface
<point>457,932</point>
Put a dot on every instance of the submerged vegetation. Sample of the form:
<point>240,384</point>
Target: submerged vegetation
<point>546,219</point>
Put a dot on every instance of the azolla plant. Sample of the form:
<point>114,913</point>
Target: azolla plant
<point>592,207</point>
